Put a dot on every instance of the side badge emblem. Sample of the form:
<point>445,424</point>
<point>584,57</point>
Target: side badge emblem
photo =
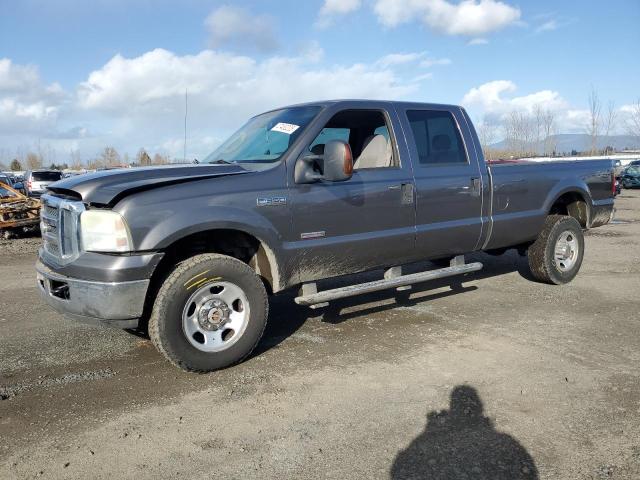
<point>311,235</point>
<point>271,201</point>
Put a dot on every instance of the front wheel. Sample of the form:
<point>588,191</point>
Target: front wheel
<point>210,313</point>
<point>556,255</point>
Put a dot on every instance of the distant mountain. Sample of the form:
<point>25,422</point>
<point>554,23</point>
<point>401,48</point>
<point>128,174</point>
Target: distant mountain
<point>581,142</point>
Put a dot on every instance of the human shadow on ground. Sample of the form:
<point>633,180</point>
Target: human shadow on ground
<point>462,443</point>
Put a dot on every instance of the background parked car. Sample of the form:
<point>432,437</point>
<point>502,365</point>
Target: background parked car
<point>6,180</point>
<point>617,167</point>
<point>630,177</point>
<point>12,182</point>
<point>36,181</point>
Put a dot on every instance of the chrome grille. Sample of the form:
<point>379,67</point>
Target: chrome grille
<point>59,226</point>
<point>50,211</point>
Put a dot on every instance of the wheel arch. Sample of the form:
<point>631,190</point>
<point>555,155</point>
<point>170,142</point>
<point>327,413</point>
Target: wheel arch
<point>232,241</point>
<point>574,202</point>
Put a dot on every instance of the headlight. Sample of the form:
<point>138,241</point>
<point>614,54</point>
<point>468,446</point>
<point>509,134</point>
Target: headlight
<point>104,231</point>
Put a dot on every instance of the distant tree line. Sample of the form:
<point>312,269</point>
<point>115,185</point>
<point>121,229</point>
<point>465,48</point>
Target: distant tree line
<point>108,158</point>
<point>528,134</point>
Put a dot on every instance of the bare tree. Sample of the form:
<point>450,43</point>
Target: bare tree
<point>610,118</point>
<point>94,164</point>
<point>593,127</point>
<point>110,157</point>
<point>160,159</point>
<point>538,118</point>
<point>34,161</point>
<point>633,120</point>
<point>142,158</point>
<point>520,133</point>
<point>487,133</point>
<point>16,166</point>
<point>549,132</point>
<point>75,160</point>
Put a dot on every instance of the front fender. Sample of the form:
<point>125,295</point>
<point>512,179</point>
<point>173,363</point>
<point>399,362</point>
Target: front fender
<point>180,225</point>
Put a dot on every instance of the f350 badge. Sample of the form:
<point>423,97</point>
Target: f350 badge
<point>271,201</point>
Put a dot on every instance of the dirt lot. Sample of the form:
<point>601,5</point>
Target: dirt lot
<point>504,378</point>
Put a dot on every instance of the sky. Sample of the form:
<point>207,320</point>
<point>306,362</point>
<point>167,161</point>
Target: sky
<point>76,76</point>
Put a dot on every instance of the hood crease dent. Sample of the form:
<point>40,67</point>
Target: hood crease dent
<point>110,186</point>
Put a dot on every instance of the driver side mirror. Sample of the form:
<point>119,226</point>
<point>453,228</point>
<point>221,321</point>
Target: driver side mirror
<point>335,165</point>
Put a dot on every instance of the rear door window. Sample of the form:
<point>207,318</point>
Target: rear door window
<point>436,137</point>
<point>47,176</point>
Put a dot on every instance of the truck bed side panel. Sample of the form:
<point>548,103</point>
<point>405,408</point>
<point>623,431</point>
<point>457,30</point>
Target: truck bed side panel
<point>524,194</point>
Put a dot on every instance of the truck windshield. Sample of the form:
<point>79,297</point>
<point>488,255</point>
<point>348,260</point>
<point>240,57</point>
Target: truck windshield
<point>264,138</point>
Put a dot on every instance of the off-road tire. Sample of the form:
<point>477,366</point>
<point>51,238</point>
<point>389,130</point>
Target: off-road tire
<point>165,323</point>
<point>541,254</point>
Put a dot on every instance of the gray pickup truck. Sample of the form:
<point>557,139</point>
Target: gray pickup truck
<point>296,195</point>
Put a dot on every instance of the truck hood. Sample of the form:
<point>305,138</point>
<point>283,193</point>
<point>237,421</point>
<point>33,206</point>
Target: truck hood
<point>109,186</point>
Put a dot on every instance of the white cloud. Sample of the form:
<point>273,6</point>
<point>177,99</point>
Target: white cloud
<point>478,41</point>
<point>419,58</point>
<point>547,26</point>
<point>26,103</point>
<point>548,22</point>
<point>339,7</point>
<point>422,77</point>
<point>17,78</point>
<point>432,62</point>
<point>493,98</point>
<point>468,18</point>
<point>333,8</point>
<point>144,96</point>
<point>630,108</point>
<point>231,26</point>
<point>312,51</point>
<point>399,58</point>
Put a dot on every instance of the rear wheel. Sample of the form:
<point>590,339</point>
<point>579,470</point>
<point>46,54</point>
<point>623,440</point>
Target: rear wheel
<point>556,255</point>
<point>209,314</point>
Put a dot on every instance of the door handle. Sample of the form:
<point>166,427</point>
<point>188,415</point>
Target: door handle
<point>407,192</point>
<point>475,186</point>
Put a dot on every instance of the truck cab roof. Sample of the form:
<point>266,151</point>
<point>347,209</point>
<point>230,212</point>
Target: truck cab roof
<point>362,102</point>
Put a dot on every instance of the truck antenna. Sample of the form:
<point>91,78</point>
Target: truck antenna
<point>185,126</point>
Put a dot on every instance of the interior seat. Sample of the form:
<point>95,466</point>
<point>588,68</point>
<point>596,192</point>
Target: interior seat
<point>441,147</point>
<point>376,153</point>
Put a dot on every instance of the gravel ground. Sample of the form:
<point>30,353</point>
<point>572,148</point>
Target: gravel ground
<point>502,378</point>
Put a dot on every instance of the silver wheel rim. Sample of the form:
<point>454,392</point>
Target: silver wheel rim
<point>215,316</point>
<point>566,251</point>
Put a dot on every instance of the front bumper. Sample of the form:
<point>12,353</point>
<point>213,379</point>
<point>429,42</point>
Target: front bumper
<point>116,303</point>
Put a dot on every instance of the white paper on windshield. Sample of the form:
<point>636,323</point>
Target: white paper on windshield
<point>287,128</point>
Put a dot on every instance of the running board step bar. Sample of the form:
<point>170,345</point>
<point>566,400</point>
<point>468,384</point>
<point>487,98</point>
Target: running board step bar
<point>311,297</point>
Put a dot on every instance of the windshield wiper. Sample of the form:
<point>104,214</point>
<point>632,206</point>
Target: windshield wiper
<point>221,161</point>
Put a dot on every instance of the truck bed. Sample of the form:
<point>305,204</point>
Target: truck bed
<point>524,190</point>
